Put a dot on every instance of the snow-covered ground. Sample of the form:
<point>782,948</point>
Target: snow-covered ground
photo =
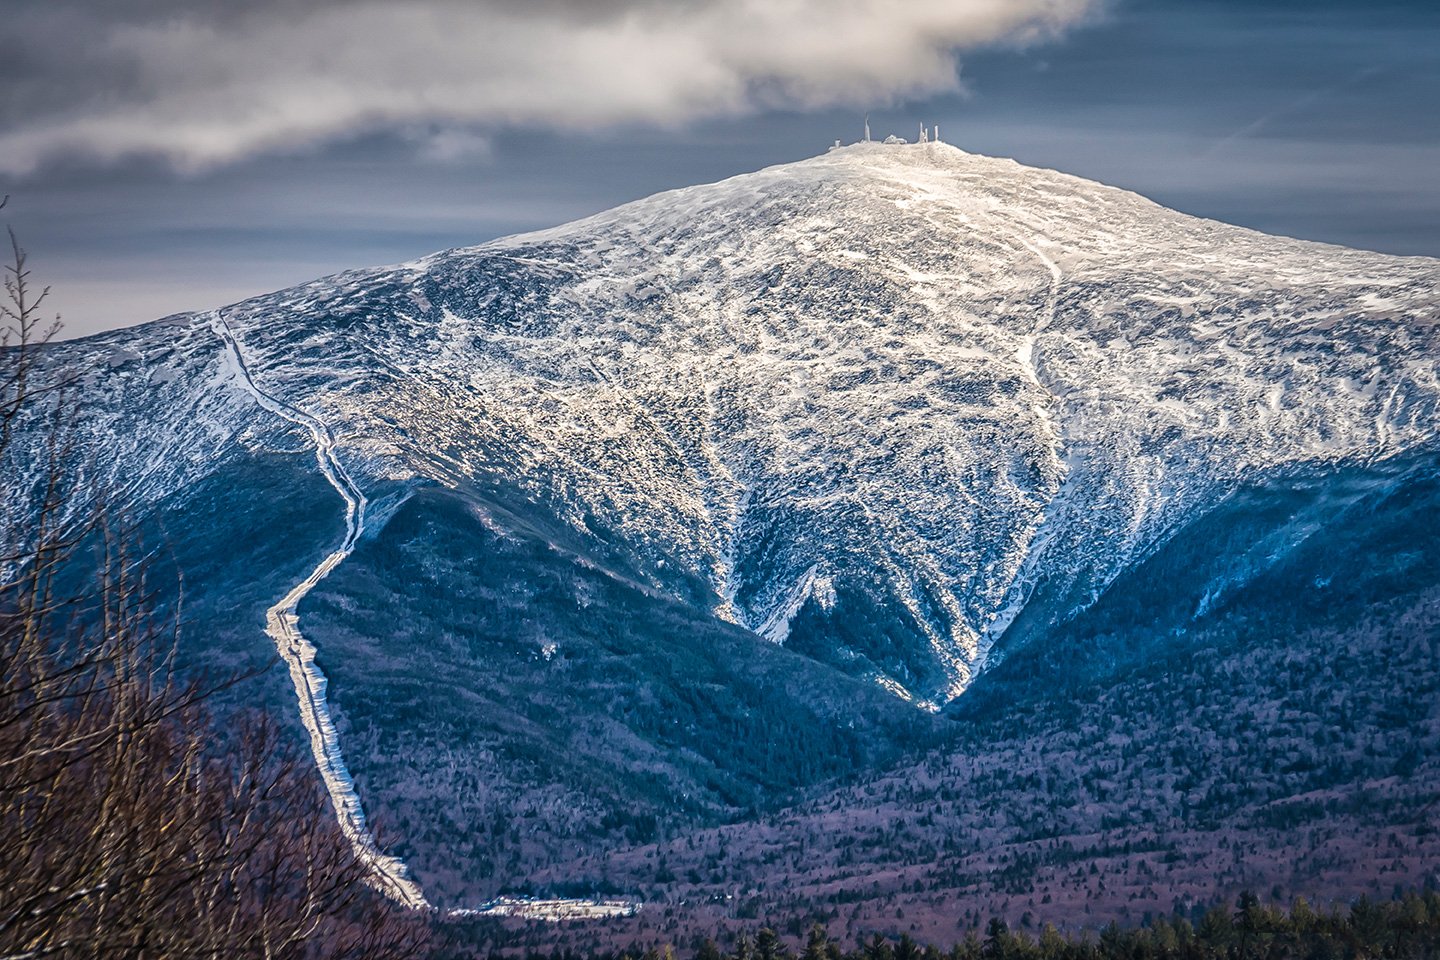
<point>528,908</point>
<point>903,373</point>
<point>909,372</point>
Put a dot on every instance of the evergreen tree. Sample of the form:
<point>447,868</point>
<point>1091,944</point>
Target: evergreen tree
<point>878,949</point>
<point>816,947</point>
<point>1052,945</point>
<point>997,940</point>
<point>769,946</point>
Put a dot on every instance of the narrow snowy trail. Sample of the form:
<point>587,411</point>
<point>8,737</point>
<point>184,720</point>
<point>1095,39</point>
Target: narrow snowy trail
<point>282,624</point>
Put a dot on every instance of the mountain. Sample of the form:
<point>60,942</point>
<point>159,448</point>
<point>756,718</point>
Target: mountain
<point>1146,758</point>
<point>656,520</point>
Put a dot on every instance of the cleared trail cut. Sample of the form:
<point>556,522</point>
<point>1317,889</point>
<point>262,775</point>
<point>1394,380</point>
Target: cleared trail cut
<point>282,623</point>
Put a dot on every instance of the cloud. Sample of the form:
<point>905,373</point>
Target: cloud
<point>203,82</point>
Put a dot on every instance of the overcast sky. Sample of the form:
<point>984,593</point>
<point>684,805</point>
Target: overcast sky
<point>168,155</point>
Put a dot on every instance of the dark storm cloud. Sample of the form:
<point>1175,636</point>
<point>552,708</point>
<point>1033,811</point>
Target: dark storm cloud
<point>1313,119</point>
<point>206,83</point>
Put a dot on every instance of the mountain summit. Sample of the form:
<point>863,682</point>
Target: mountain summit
<point>863,404</point>
<point>897,408</point>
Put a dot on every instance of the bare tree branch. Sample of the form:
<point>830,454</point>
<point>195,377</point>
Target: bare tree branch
<point>128,828</point>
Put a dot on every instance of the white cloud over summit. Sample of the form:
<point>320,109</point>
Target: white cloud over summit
<point>206,83</point>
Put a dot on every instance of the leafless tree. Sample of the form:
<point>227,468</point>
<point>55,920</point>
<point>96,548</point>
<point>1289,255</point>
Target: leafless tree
<point>124,830</point>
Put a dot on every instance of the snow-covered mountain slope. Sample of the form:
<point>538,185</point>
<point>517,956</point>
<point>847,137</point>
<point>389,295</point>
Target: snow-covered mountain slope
<point>862,404</point>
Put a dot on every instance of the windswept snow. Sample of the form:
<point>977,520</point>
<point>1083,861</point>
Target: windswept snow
<point>893,377</point>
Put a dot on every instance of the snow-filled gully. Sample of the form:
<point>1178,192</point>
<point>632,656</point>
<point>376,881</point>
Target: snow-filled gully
<point>1023,584</point>
<point>282,623</point>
